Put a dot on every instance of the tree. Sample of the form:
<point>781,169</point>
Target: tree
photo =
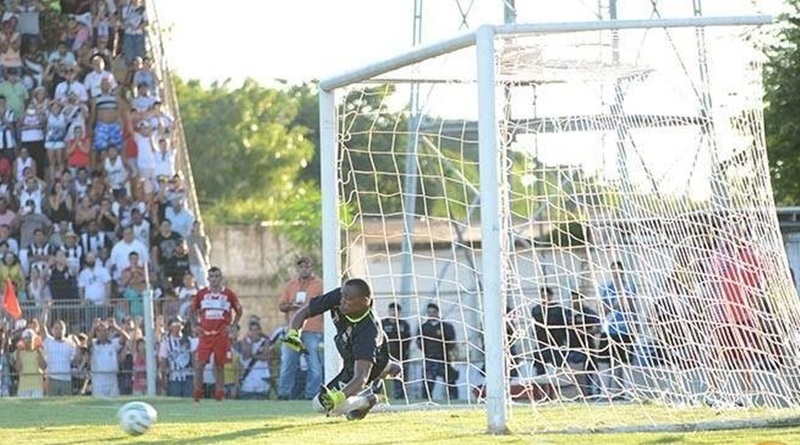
<point>246,151</point>
<point>307,116</point>
<point>782,108</point>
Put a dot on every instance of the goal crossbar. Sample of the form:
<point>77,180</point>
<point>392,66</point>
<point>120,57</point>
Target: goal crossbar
<point>466,40</point>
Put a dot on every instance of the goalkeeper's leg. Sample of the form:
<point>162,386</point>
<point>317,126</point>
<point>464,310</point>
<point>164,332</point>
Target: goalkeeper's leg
<point>364,402</point>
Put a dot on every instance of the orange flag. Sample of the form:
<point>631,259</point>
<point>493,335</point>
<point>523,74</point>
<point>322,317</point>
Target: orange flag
<point>10,302</point>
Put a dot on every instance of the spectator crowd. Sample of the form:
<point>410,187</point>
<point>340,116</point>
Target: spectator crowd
<point>92,209</point>
<point>93,213</point>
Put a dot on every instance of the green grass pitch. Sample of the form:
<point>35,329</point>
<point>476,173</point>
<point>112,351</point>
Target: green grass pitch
<point>85,421</point>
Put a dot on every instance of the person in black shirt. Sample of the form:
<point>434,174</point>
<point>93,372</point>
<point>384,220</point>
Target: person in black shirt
<point>361,343</point>
<point>551,329</point>
<point>164,247</point>
<point>437,341</point>
<point>398,332</point>
<point>178,265</point>
<point>584,338</point>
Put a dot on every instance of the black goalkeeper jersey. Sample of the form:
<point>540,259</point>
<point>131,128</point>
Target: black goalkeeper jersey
<point>363,340</point>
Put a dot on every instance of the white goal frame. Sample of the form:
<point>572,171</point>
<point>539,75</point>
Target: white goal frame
<point>493,268</point>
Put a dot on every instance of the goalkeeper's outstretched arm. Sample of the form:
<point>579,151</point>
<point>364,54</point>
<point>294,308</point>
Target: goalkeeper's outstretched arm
<point>357,384</point>
<point>299,317</point>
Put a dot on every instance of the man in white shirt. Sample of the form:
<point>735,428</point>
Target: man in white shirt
<point>59,354</point>
<point>255,364</point>
<point>134,21</point>
<point>94,287</point>
<point>182,219</point>
<point>95,77</point>
<point>141,227</point>
<point>121,251</point>
<point>71,85</point>
<point>104,351</point>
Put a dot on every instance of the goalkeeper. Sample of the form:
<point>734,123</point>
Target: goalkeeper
<point>360,341</point>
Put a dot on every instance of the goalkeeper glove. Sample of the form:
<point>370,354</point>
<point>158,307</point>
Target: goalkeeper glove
<point>293,341</point>
<point>331,400</point>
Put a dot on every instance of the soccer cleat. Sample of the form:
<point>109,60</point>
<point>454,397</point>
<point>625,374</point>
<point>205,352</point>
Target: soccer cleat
<point>219,394</point>
<point>197,394</point>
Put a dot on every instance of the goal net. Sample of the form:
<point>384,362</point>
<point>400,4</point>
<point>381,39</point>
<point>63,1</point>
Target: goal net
<point>636,268</point>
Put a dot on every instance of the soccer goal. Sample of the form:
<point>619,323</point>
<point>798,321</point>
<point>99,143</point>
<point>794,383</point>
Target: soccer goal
<point>579,219</point>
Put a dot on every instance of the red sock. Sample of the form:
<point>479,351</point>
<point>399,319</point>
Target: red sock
<point>198,394</point>
<point>219,394</point>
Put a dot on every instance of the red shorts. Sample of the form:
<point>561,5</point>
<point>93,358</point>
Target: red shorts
<point>219,345</point>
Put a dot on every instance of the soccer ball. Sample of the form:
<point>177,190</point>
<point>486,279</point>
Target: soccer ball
<point>136,417</point>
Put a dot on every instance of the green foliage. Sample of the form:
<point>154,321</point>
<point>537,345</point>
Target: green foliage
<point>307,98</point>
<point>376,142</point>
<point>571,234</point>
<point>243,141</point>
<point>303,228</point>
<point>782,112</point>
<point>248,154</point>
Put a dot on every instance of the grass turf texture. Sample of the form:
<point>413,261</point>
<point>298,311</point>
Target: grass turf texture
<point>82,421</point>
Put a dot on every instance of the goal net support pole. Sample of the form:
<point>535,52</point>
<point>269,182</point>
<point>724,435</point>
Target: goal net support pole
<point>329,177</point>
<point>492,232</point>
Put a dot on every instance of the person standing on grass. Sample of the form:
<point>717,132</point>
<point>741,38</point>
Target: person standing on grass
<point>59,352</point>
<point>398,332</point>
<point>217,309</point>
<point>297,292</point>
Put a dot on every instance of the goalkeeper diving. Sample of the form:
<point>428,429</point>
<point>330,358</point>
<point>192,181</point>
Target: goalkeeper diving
<point>361,343</point>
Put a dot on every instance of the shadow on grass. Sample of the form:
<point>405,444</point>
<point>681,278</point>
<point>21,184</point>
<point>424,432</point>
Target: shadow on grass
<point>83,441</point>
<point>664,440</point>
<point>215,438</point>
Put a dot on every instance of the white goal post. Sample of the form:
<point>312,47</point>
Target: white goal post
<point>630,208</point>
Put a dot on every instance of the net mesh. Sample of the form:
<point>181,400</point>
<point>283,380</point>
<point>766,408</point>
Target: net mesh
<point>643,261</point>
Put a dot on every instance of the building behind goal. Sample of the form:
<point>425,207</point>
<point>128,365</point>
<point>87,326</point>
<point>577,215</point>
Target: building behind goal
<point>620,164</point>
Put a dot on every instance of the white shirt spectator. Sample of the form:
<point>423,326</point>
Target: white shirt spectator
<point>143,103</point>
<point>59,355</point>
<point>13,245</point>
<point>186,293</point>
<point>111,6</point>
<point>95,78</point>
<point>123,212</point>
<point>105,356</point>
<point>119,256</point>
<point>133,19</point>
<point>116,172</point>
<point>182,220</point>
<point>64,88</point>
<point>165,163</point>
<point>35,196</point>
<point>104,367</point>
<point>144,153</point>
<point>28,19</point>
<point>257,380</point>
<point>81,188</point>
<point>68,58</point>
<point>141,232</point>
<point>94,282</point>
